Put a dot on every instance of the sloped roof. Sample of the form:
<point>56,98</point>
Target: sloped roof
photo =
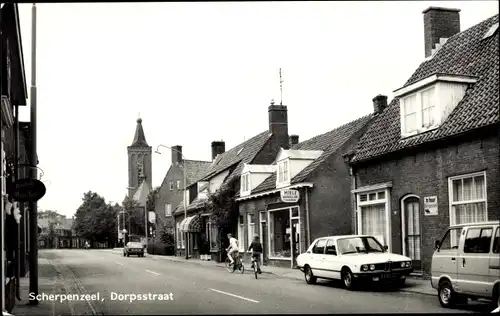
<point>244,152</point>
<point>195,169</point>
<point>139,137</point>
<point>465,53</point>
<point>328,142</point>
<point>141,195</point>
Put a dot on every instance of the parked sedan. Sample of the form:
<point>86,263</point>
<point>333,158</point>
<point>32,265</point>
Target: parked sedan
<point>133,248</point>
<point>354,259</point>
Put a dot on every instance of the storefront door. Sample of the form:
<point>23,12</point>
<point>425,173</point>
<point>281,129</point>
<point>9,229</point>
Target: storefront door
<point>295,238</point>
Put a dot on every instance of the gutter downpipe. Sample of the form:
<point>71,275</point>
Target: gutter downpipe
<point>307,217</point>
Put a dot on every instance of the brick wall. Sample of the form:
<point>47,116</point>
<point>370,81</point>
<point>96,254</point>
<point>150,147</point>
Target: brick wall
<point>426,173</point>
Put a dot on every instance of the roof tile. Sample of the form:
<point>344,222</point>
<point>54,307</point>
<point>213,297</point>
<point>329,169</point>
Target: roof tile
<point>465,53</point>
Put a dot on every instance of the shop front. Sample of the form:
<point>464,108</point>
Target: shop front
<point>190,229</point>
<point>280,223</point>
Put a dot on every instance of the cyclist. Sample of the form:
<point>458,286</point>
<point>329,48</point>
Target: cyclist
<point>233,248</point>
<point>256,248</point>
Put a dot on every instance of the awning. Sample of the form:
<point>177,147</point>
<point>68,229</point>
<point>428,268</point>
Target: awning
<point>191,224</point>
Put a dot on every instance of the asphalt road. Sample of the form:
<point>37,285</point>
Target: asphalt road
<point>198,289</point>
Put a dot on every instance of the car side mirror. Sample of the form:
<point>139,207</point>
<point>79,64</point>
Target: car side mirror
<point>436,244</point>
<point>385,247</point>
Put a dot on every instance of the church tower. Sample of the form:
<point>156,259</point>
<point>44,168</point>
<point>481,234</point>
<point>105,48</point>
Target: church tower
<point>139,161</point>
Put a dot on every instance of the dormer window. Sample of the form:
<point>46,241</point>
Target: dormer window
<point>283,171</point>
<point>245,183</point>
<point>418,112</point>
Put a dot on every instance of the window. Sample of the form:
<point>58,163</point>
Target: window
<point>251,227</point>
<point>171,185</point>
<point>418,112</point>
<point>178,184</point>
<point>496,241</point>
<point>410,113</point>
<point>450,239</point>
<point>245,183</point>
<point>468,199</point>
<point>280,233</point>
<point>178,230</point>
<point>428,105</point>
<point>241,233</point>
<point>319,248</point>
<point>283,171</point>
<point>330,247</point>
<point>374,215</point>
<point>168,209</point>
<point>478,240</point>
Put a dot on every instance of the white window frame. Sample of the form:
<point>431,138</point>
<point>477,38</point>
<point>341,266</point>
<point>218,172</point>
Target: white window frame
<point>178,184</point>
<point>450,194</point>
<point>283,175</point>
<point>171,185</point>
<point>386,201</point>
<point>168,209</point>
<point>245,184</point>
<point>254,225</point>
<point>420,108</point>
<point>270,235</point>
<point>241,233</point>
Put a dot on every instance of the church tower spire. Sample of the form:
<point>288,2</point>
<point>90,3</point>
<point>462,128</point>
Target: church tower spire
<point>139,160</point>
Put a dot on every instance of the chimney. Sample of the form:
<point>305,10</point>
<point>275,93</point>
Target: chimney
<point>278,124</point>
<point>218,147</point>
<point>176,154</point>
<point>379,103</point>
<point>439,23</point>
<point>294,140</point>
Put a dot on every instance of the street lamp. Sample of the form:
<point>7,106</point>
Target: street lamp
<point>157,151</point>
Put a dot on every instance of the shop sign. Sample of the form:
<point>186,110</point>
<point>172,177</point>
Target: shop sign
<point>28,190</point>
<point>430,205</point>
<point>289,196</point>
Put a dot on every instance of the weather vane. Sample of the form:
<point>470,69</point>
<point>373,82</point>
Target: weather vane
<point>281,89</point>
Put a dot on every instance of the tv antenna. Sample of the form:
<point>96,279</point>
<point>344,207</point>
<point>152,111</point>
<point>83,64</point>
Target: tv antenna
<point>281,89</point>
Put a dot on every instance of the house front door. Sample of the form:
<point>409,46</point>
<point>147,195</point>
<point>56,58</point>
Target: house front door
<point>412,240</point>
<point>295,238</point>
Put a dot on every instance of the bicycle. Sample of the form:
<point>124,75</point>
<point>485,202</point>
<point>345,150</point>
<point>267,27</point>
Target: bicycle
<point>256,266</point>
<point>238,264</point>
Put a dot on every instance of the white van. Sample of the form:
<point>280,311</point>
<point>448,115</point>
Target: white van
<point>466,264</point>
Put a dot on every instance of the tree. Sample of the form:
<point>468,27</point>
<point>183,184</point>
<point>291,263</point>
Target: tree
<point>135,216</point>
<point>151,203</point>
<point>48,235</point>
<point>95,220</point>
<point>53,218</point>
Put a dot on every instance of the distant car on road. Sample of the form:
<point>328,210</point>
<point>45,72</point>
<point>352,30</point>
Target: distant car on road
<point>133,248</point>
<point>354,259</point>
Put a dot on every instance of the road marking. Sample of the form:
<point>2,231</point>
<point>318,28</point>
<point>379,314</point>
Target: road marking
<point>234,295</point>
<point>152,272</point>
<point>119,263</point>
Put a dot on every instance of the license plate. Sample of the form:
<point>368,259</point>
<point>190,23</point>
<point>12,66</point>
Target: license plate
<point>385,276</point>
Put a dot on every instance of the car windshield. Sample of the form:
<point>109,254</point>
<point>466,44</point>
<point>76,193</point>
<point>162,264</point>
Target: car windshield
<point>359,245</point>
<point>134,245</point>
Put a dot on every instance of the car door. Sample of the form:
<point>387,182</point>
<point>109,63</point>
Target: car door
<point>473,261</point>
<point>316,258</point>
<point>444,261</point>
<point>331,260</point>
<point>494,264</point>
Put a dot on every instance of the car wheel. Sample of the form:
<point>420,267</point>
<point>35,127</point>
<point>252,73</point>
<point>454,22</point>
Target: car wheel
<point>446,295</point>
<point>348,279</point>
<point>496,298</point>
<point>309,276</point>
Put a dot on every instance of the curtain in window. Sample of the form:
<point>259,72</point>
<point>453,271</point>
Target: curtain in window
<point>374,222</point>
<point>410,113</point>
<point>413,229</point>
<point>470,212</point>
<point>427,99</point>
<point>469,189</point>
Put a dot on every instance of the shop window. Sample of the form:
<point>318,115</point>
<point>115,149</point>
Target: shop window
<point>279,226</point>
<point>295,212</point>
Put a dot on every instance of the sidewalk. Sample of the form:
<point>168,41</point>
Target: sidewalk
<point>413,284</point>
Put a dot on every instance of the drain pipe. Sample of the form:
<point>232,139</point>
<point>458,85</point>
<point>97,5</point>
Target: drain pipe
<point>307,218</point>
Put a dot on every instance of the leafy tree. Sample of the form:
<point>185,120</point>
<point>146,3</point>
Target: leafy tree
<point>95,220</point>
<point>134,216</point>
<point>222,205</point>
<point>48,235</point>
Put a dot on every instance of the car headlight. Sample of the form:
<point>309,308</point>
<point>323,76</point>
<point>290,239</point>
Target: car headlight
<point>372,267</point>
<point>364,267</point>
<point>408,264</point>
<point>403,264</point>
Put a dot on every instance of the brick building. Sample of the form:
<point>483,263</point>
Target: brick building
<point>197,233</point>
<point>313,170</point>
<point>431,158</point>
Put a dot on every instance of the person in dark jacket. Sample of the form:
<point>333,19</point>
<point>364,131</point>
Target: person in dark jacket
<point>256,248</point>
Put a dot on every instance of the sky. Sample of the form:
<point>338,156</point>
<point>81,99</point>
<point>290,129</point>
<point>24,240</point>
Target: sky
<point>198,72</point>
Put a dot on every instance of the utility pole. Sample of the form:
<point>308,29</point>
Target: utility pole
<point>34,162</point>
<point>2,258</point>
